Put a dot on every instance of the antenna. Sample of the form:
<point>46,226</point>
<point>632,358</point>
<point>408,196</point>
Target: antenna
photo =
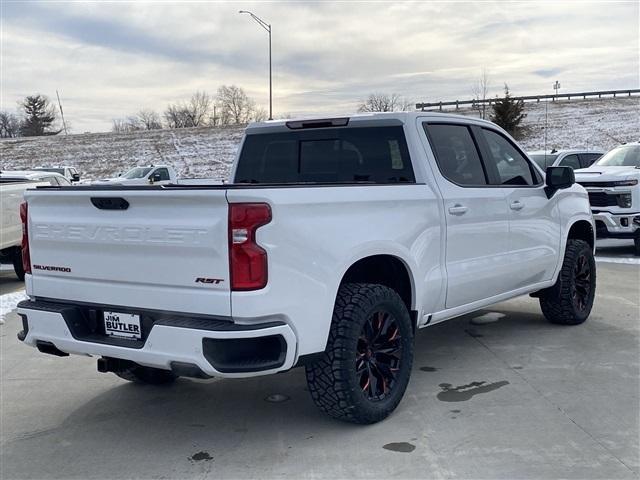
<point>546,124</point>
<point>64,124</point>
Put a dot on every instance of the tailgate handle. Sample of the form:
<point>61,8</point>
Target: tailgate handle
<point>110,203</point>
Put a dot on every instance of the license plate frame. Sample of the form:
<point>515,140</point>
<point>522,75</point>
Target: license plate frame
<point>122,325</point>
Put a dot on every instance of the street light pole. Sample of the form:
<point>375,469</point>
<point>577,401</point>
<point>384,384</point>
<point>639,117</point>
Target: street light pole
<point>267,27</point>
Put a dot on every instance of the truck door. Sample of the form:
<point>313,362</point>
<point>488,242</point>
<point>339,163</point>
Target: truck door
<point>477,225</point>
<point>534,225</point>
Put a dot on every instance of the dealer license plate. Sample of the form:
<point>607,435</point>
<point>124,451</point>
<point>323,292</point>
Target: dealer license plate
<point>122,325</point>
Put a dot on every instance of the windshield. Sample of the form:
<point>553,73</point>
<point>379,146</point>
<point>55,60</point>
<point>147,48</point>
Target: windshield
<point>54,170</point>
<point>624,156</point>
<point>543,160</point>
<point>138,172</point>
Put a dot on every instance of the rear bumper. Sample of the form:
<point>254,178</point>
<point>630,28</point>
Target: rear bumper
<point>616,225</point>
<point>208,347</point>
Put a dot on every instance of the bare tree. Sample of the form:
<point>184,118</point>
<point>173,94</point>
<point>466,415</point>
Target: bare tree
<point>385,102</point>
<point>175,116</point>
<point>126,125</point>
<point>234,106</point>
<point>194,113</point>
<point>149,120</point>
<point>198,109</point>
<point>480,90</point>
<point>260,115</point>
<point>9,125</point>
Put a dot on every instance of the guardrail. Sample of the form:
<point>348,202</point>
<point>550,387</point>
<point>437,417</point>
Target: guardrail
<point>529,98</point>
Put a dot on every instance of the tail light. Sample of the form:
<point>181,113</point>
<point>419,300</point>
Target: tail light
<point>26,256</point>
<point>247,259</point>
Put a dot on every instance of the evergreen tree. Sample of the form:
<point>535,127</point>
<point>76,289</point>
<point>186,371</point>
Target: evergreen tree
<point>508,112</point>
<point>39,115</point>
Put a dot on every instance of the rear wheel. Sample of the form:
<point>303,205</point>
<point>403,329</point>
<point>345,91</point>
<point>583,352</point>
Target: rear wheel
<point>17,264</point>
<point>570,300</point>
<point>146,375</point>
<point>636,242</point>
<point>365,369</point>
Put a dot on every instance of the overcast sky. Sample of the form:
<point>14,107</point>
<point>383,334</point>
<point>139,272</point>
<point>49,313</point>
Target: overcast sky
<point>109,60</point>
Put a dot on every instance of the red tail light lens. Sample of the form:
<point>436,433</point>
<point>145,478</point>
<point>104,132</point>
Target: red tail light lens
<point>247,259</point>
<point>26,256</point>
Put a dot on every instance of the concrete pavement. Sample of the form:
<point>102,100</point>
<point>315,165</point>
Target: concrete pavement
<point>517,398</point>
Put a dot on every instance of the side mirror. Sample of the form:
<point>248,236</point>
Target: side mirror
<point>75,177</point>
<point>558,178</point>
<point>155,178</point>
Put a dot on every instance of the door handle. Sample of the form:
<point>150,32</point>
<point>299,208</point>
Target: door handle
<point>517,205</point>
<point>458,209</point>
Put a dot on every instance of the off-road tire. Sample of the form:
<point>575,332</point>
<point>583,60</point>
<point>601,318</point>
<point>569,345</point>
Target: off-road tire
<point>17,264</point>
<point>333,381</point>
<point>146,375</point>
<point>558,303</point>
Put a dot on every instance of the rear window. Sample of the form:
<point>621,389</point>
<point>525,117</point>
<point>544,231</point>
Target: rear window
<point>338,155</point>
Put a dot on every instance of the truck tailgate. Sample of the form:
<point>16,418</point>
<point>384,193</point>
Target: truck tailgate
<point>167,250</point>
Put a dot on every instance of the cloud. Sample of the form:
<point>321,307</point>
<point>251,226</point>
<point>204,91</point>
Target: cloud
<point>110,33</point>
<point>109,59</point>
<point>547,72</point>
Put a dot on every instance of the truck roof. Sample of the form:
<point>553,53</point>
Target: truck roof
<point>361,119</point>
<point>565,151</point>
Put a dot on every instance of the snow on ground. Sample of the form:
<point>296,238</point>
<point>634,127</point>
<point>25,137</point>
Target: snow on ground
<point>193,152</point>
<point>209,152</point>
<point>8,303</point>
<point>592,124</point>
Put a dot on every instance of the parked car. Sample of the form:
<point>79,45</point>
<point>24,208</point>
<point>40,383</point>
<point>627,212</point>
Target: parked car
<point>12,187</point>
<point>70,173</point>
<point>613,183</point>
<point>336,241</point>
<point>565,158</point>
<point>158,174</point>
<point>52,178</point>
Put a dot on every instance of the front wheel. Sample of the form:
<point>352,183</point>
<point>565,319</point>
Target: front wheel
<point>570,300</point>
<point>636,242</point>
<point>365,369</point>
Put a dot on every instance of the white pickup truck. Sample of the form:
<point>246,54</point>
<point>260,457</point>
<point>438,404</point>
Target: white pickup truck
<point>148,175</point>
<point>613,184</point>
<point>337,239</point>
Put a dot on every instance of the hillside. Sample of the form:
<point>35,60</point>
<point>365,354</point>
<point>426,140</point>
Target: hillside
<point>194,152</point>
<point>602,123</point>
<point>208,152</point>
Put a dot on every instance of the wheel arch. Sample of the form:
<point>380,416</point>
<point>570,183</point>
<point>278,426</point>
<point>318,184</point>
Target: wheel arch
<point>582,230</point>
<point>384,269</point>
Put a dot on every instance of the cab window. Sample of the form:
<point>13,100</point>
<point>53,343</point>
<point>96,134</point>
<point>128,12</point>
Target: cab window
<point>508,165</point>
<point>456,154</point>
<point>163,172</point>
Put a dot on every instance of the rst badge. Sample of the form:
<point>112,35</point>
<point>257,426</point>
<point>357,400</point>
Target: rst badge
<point>214,281</point>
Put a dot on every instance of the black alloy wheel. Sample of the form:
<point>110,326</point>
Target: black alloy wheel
<point>379,354</point>
<point>581,288</point>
